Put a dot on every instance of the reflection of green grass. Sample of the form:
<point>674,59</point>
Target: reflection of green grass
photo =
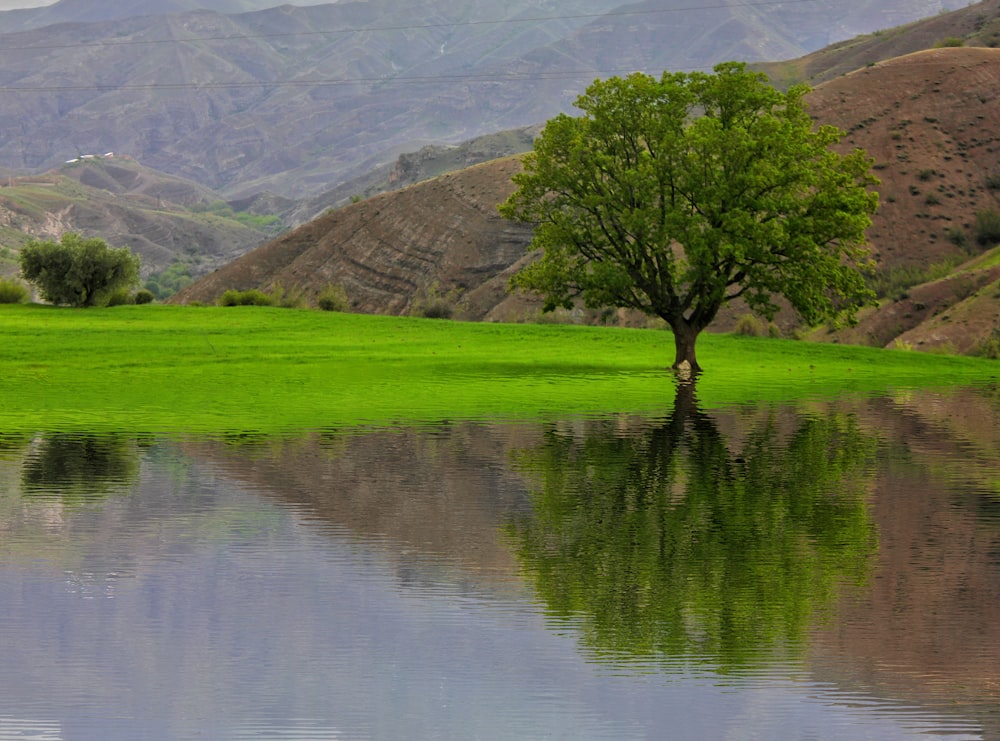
<point>174,369</point>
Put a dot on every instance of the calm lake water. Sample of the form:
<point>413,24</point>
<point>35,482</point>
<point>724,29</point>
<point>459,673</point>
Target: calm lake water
<point>828,570</point>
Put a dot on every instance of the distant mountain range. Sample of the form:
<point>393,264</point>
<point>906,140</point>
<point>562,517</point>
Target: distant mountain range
<point>168,220</point>
<point>297,100</point>
<point>96,11</point>
<point>165,220</point>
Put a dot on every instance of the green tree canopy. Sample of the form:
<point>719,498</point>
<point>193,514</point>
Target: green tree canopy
<point>78,271</point>
<point>676,195</point>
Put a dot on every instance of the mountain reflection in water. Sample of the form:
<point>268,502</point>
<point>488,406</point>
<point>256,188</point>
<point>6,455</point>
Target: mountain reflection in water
<point>825,571</point>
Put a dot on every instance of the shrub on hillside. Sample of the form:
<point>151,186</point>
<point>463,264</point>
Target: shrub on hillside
<point>436,305</point>
<point>12,291</point>
<point>287,299</point>
<point>559,315</point>
<point>894,282</point>
<point>990,347</point>
<point>251,297</point>
<point>278,296</point>
<point>957,237</point>
<point>988,227</point>
<point>900,344</point>
<point>750,326</point>
<point>436,309</point>
<point>333,298</point>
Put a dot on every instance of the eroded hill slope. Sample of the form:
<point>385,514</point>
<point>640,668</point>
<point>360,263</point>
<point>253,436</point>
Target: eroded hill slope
<point>442,237</point>
<point>163,219</point>
<point>931,121</point>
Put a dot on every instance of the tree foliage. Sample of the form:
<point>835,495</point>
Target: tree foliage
<point>165,283</point>
<point>676,195</point>
<point>78,271</point>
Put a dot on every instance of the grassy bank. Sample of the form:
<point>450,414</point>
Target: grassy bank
<point>185,369</point>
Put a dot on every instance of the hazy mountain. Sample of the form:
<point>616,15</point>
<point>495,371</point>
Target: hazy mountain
<point>409,168</point>
<point>163,219</point>
<point>166,219</point>
<point>299,99</point>
<point>90,11</point>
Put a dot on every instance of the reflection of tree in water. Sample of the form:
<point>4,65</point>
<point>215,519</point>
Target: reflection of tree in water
<point>664,542</point>
<point>78,468</point>
<point>13,443</point>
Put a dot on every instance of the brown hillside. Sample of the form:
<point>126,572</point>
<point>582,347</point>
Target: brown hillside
<point>440,237</point>
<point>930,120</point>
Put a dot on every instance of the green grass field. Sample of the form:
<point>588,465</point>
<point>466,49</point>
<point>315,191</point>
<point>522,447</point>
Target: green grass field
<point>209,370</point>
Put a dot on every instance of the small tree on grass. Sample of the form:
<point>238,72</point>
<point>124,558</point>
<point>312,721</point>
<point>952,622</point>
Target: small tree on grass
<point>78,271</point>
<point>676,195</point>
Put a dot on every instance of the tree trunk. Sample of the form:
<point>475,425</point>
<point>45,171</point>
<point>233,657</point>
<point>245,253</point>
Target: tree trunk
<point>685,336</point>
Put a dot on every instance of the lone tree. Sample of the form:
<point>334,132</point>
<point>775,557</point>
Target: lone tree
<point>675,196</point>
<point>78,271</point>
